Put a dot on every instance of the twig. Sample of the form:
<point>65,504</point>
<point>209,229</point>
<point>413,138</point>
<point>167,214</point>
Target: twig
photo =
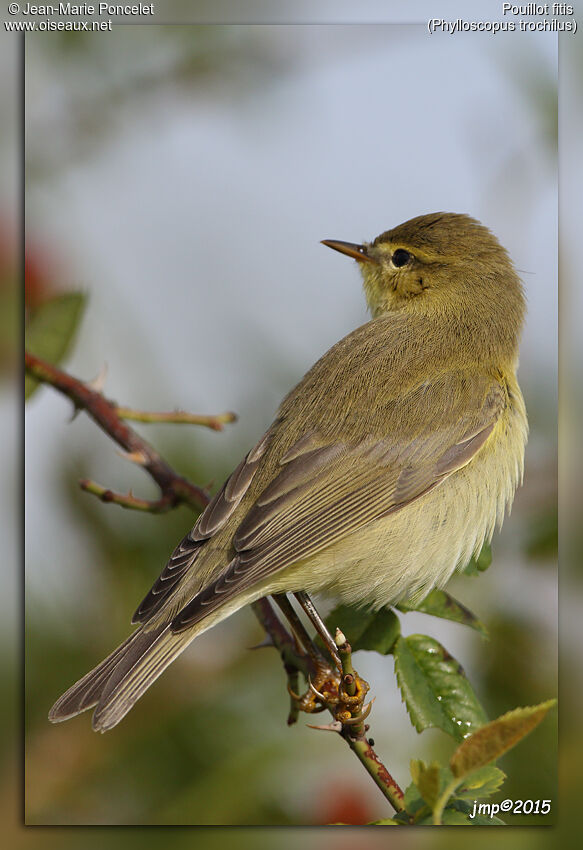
<point>151,506</point>
<point>365,753</point>
<point>293,660</point>
<point>355,734</point>
<point>177,417</point>
<point>103,412</point>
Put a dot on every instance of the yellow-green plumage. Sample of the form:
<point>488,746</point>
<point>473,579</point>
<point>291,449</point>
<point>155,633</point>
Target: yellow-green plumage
<point>386,468</point>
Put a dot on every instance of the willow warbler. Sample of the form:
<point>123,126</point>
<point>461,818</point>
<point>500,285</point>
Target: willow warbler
<point>385,469</point>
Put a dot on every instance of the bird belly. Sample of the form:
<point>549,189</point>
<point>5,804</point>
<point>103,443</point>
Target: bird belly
<point>417,548</point>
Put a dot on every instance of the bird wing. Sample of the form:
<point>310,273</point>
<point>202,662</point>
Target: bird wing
<point>327,490</point>
<point>322,490</point>
<point>212,519</point>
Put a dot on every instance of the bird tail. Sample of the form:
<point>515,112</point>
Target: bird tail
<point>120,680</point>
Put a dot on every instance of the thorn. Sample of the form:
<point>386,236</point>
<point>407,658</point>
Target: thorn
<point>76,410</point>
<point>314,691</point>
<point>267,641</point>
<point>134,457</point>
<point>98,383</point>
<point>293,694</point>
<point>362,716</point>
<point>335,726</point>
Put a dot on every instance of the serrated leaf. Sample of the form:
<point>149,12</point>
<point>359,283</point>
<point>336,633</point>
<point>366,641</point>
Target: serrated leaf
<point>416,766</point>
<point>480,563</point>
<point>435,689</point>
<point>412,800</point>
<point>496,738</point>
<point>439,603</point>
<point>364,629</point>
<point>51,330</point>
<point>428,780</point>
<point>481,783</point>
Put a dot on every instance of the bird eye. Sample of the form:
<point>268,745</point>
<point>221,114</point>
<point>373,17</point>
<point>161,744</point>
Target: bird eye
<point>400,258</point>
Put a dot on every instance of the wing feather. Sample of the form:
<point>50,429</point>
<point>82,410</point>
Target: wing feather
<point>212,519</point>
<point>322,494</point>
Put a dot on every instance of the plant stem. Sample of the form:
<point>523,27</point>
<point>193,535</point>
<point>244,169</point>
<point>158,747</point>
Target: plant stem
<point>104,414</point>
<point>177,417</point>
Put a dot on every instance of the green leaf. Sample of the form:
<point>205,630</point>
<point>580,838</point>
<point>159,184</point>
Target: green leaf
<point>413,801</point>
<point>456,794</point>
<point>439,603</point>
<point>481,783</point>
<point>428,780</point>
<point>51,330</point>
<point>385,822</point>
<point>495,738</point>
<point>376,630</point>
<point>435,689</point>
<point>481,563</point>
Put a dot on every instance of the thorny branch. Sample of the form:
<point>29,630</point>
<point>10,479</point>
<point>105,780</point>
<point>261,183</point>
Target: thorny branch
<point>177,490</point>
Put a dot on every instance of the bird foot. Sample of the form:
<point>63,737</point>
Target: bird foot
<point>327,690</point>
<point>350,709</point>
<point>322,691</point>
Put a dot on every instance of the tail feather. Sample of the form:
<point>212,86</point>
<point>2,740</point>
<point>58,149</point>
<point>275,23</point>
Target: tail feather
<point>119,681</point>
<point>87,691</point>
<point>132,676</point>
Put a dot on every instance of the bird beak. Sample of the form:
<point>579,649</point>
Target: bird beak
<point>358,252</point>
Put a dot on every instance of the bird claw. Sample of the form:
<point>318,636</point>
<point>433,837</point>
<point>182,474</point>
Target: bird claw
<point>316,692</point>
<point>319,696</point>
<point>359,718</point>
<point>329,692</point>
<point>350,711</point>
<point>292,693</point>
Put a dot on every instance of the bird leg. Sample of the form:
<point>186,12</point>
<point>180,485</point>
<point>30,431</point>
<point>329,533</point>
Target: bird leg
<point>342,691</point>
<point>319,624</point>
<point>323,680</point>
<point>352,689</point>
